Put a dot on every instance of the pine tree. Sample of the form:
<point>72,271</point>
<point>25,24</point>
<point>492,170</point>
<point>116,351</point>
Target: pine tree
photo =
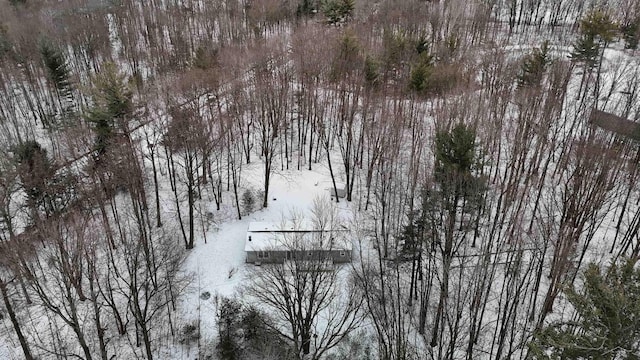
<point>56,65</point>
<point>35,169</point>
<point>348,59</point>
<point>411,235</point>
<point>258,334</point>
<point>306,8</point>
<point>608,323</point>
<point>245,332</point>
<point>103,127</point>
<point>112,107</point>
<point>597,30</point>
<point>598,24</point>
<point>45,189</point>
<point>113,93</point>
<point>337,11</point>
<point>248,202</point>
<point>59,74</point>
<point>5,43</point>
<point>631,33</point>
<point>371,72</point>
<point>205,58</point>
<point>419,77</point>
<point>455,152</point>
<point>422,46</point>
<point>586,50</point>
<point>534,65</point>
<point>229,316</point>
<point>452,204</point>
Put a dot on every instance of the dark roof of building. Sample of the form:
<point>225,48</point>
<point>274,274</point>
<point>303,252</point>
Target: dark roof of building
<point>615,124</point>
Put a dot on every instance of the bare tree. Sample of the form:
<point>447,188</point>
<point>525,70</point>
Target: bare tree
<point>56,276</point>
<point>152,287</point>
<point>186,137</point>
<point>11,251</point>
<point>272,82</point>
<point>315,313</point>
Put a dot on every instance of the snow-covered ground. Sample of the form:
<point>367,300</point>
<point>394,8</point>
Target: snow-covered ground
<point>218,260</point>
<point>219,264</point>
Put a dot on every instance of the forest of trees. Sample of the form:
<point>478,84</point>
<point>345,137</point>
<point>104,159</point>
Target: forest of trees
<point>490,219</point>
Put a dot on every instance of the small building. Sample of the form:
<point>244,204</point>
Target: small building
<point>616,124</point>
<point>278,242</point>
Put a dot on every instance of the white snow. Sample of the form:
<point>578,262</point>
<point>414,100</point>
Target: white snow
<point>219,264</point>
<point>275,236</point>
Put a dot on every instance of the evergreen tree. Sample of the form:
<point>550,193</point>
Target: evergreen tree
<point>598,24</point>
<point>337,11</point>
<point>452,44</point>
<point>422,46</point>
<point>103,127</point>
<point>257,334</point>
<point>455,153</point>
<point>306,8</point>
<point>534,65</point>
<point>46,189</point>
<point>451,205</point>
<point>35,169</point>
<point>247,333</point>
<point>59,74</point>
<point>205,58</point>
<point>56,65</point>
<point>631,33</point>
<point>586,50</point>
<point>455,173</point>
<point>597,30</point>
<point>348,60</point>
<point>5,43</point>
<point>113,93</point>
<point>608,323</point>
<point>371,72</point>
<point>396,50</point>
<point>112,107</point>
<point>248,202</point>
<point>419,77</point>
<point>229,315</point>
<point>411,235</point>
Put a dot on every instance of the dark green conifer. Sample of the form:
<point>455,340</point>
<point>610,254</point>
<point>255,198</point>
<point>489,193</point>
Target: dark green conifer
<point>534,65</point>
<point>57,68</point>
<point>420,73</point>
<point>631,33</point>
<point>597,30</point>
<point>608,318</point>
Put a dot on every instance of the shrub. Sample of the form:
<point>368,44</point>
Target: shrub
<point>248,201</point>
<point>189,333</point>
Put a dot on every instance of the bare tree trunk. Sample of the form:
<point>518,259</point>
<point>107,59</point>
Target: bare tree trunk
<point>155,186</point>
<point>14,321</point>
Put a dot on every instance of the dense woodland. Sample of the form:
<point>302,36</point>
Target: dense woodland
<point>490,218</point>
